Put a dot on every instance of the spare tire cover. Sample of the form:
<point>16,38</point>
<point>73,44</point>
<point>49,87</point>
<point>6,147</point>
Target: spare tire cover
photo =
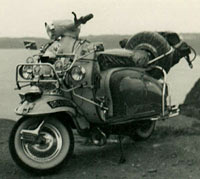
<point>156,45</point>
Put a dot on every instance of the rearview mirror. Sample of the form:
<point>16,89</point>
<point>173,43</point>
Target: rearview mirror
<point>30,45</point>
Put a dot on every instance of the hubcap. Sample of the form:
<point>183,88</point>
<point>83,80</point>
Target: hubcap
<point>46,147</point>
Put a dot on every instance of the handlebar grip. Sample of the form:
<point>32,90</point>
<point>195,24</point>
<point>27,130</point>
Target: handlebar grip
<point>86,18</point>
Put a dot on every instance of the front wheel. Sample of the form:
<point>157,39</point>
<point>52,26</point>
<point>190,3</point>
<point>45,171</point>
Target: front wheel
<point>143,130</point>
<point>45,152</point>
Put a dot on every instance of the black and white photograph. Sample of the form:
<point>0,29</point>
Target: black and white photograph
<point>104,89</point>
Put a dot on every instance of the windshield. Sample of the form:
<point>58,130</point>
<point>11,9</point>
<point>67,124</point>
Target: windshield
<point>61,46</point>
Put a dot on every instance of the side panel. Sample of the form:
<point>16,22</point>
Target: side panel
<point>45,105</point>
<point>130,92</point>
<point>154,93</point>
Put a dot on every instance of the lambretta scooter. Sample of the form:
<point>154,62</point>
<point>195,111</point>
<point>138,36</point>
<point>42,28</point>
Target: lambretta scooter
<point>76,84</point>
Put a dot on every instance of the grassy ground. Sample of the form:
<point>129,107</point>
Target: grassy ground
<point>172,152</point>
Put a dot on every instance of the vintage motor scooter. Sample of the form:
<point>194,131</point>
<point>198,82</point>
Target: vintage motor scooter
<point>76,84</point>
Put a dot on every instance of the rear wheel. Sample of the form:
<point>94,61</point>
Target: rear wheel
<point>143,130</point>
<point>47,151</point>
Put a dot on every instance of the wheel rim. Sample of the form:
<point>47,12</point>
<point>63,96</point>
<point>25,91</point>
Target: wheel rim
<point>48,148</point>
<point>43,152</point>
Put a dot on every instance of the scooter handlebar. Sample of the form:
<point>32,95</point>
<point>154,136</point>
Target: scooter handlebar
<point>84,19</point>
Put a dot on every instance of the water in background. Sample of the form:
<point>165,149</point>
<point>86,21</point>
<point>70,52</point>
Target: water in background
<point>9,98</point>
<point>181,79</point>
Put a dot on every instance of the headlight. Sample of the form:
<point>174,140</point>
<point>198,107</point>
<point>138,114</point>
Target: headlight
<point>78,73</point>
<point>58,65</point>
<point>26,72</point>
<point>30,60</point>
<point>46,71</point>
<point>36,71</point>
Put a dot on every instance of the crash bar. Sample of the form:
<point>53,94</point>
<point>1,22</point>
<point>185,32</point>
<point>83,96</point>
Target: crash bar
<point>164,87</point>
<point>31,80</point>
<point>161,56</point>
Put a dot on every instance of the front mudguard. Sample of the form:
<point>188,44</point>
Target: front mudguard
<point>46,105</point>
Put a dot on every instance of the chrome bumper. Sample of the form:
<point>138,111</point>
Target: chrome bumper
<point>172,112</point>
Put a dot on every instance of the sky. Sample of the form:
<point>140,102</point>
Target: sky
<point>19,18</point>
